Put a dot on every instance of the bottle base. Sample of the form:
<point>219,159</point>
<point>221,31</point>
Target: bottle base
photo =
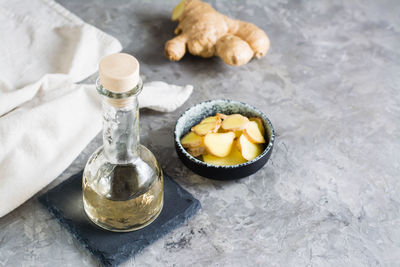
<point>130,228</point>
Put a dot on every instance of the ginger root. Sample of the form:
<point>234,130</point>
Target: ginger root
<point>206,33</point>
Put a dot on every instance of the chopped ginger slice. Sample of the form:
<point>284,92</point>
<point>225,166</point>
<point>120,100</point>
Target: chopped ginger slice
<point>259,123</point>
<point>248,149</point>
<point>253,133</point>
<point>219,144</point>
<point>235,122</point>
<point>191,139</point>
<point>205,128</point>
<point>210,119</point>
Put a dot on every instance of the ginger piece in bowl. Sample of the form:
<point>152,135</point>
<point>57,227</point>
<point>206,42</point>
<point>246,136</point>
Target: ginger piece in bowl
<point>211,119</point>
<point>259,124</point>
<point>219,144</point>
<point>248,149</point>
<point>194,144</point>
<point>234,122</point>
<point>191,139</point>
<point>253,133</point>
<point>208,125</point>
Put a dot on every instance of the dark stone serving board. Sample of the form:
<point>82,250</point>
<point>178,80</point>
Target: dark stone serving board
<point>65,203</point>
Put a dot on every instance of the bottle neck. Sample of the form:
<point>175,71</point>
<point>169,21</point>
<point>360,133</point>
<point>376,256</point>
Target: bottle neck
<point>121,131</point>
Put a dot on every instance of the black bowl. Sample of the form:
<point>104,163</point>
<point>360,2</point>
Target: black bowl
<point>195,114</point>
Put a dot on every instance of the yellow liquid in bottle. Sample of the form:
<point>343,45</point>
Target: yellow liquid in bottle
<point>118,199</point>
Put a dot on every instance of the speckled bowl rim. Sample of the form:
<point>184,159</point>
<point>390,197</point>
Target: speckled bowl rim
<point>264,117</point>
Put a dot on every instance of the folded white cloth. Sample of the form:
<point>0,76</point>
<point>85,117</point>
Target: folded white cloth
<point>46,119</point>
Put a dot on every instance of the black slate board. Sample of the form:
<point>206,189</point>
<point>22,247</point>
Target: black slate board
<point>65,203</point>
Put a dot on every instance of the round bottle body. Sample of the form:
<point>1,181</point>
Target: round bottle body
<point>122,197</point>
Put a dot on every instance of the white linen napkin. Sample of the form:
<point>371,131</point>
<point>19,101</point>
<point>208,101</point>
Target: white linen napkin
<point>46,119</point>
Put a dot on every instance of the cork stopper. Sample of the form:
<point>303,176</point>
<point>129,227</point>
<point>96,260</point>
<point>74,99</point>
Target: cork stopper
<point>119,73</point>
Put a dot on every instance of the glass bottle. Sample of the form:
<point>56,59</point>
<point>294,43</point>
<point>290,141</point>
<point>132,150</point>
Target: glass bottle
<point>122,182</point>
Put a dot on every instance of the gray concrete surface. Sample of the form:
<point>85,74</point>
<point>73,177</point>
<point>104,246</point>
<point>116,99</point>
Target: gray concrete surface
<point>329,196</point>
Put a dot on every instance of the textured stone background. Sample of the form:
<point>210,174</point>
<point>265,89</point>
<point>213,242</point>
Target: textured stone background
<point>329,196</point>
